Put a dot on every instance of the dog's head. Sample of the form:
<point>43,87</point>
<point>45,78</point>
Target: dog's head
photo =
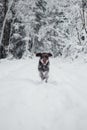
<point>44,57</point>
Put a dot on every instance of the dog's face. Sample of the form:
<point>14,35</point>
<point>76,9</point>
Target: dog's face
<point>44,57</point>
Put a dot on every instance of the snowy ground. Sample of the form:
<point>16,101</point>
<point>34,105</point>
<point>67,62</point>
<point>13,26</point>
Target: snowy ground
<point>28,104</point>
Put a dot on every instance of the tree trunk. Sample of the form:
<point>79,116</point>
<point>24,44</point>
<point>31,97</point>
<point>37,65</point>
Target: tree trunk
<point>6,33</point>
<point>5,6</point>
<point>6,26</point>
<point>83,14</point>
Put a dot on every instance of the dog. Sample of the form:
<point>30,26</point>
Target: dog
<point>43,65</point>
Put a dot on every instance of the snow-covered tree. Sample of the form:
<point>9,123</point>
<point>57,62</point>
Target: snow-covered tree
<point>17,33</point>
<point>39,12</point>
<point>40,9</point>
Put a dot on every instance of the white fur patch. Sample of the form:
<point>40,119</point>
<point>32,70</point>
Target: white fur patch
<point>43,62</point>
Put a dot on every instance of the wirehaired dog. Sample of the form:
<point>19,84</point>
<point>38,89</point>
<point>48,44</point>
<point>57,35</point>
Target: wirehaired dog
<point>43,66</point>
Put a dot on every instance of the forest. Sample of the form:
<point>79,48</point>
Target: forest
<point>43,64</point>
<point>31,26</point>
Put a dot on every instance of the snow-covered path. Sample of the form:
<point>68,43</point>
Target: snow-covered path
<point>28,104</point>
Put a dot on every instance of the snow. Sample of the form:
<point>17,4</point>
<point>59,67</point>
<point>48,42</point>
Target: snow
<point>26,103</point>
<point>1,5</point>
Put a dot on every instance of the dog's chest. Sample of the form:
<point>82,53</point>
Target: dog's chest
<point>43,67</point>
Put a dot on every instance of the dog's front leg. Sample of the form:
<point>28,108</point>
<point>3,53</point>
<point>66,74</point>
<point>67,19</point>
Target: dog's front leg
<point>46,76</point>
<point>42,75</point>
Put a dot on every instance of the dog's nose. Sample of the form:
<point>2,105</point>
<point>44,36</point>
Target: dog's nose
<point>45,60</point>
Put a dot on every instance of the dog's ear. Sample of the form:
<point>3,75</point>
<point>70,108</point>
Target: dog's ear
<point>49,54</point>
<point>38,54</point>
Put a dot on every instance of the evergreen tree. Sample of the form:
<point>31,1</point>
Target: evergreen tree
<point>17,34</point>
<point>40,10</point>
<point>39,21</point>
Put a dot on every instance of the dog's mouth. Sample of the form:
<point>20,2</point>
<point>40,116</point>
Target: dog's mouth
<point>44,61</point>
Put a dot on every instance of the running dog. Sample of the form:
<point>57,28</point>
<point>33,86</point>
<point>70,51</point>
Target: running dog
<point>43,66</point>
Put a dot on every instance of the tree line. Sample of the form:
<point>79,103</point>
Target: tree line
<point>31,27</point>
